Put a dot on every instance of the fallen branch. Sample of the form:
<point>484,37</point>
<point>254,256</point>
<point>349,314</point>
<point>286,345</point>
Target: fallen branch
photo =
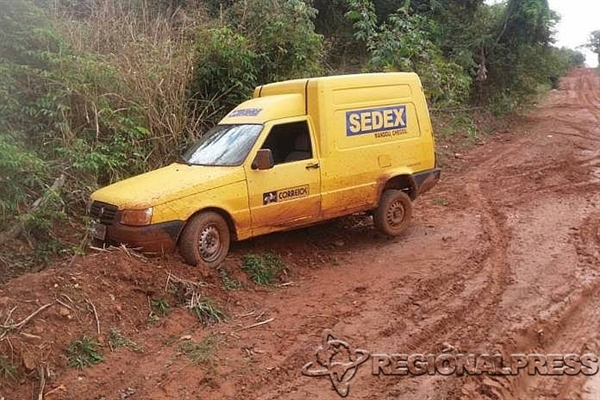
<point>61,388</point>
<point>18,326</point>
<point>95,314</point>
<point>9,315</point>
<point>254,325</point>
<point>42,372</point>
<point>17,228</point>
<point>62,303</point>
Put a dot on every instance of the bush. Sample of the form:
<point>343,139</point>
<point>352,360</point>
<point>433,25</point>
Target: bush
<point>90,101</point>
<point>226,71</point>
<point>404,43</point>
<point>265,41</point>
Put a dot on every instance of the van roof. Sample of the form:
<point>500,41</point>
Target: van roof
<point>288,98</point>
<point>352,80</point>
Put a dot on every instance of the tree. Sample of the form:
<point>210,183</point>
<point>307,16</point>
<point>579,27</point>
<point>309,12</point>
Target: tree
<point>594,43</point>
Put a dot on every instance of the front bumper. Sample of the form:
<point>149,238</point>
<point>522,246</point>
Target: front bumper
<point>155,238</point>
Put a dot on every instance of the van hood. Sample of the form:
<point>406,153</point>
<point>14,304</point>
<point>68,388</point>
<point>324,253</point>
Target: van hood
<point>166,184</point>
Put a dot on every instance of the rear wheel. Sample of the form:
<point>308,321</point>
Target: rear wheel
<point>393,214</point>
<point>205,240</point>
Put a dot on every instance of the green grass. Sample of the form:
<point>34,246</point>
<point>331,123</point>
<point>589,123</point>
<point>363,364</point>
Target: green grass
<point>84,352</point>
<point>116,340</point>
<point>160,307</point>
<point>263,269</point>
<point>200,352</point>
<point>228,282</point>
<point>7,368</point>
<point>209,312</point>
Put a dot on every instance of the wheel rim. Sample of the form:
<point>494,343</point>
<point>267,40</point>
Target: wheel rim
<point>395,213</point>
<point>209,245</point>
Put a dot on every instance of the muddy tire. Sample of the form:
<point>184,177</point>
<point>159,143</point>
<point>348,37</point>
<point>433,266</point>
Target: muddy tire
<point>205,240</point>
<point>393,214</point>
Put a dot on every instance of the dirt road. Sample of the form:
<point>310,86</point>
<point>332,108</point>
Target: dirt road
<point>503,256</point>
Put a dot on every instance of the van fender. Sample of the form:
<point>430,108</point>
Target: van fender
<point>414,184</point>
<point>231,223</point>
<point>401,179</point>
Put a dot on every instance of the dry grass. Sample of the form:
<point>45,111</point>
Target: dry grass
<point>153,55</point>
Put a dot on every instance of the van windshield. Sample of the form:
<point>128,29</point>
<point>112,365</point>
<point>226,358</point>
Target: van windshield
<point>223,145</point>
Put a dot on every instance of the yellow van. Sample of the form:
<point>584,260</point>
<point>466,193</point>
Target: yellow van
<point>299,152</point>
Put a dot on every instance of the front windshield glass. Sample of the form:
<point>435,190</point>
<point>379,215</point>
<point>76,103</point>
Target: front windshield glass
<point>224,145</point>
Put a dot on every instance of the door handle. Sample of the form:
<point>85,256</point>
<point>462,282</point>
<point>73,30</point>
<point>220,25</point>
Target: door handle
<point>312,166</point>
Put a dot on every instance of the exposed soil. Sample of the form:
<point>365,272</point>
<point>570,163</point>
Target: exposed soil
<point>503,255</point>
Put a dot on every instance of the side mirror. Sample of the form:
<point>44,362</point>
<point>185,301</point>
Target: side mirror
<point>263,160</point>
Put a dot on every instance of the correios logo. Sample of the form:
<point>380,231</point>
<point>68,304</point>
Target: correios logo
<point>339,361</point>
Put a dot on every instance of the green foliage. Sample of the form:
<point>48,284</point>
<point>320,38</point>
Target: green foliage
<point>7,369</point>
<point>84,352</point>
<point>200,352</point>
<point>226,71</point>
<point>558,61</point>
<point>520,58</point>
<point>404,43</point>
<point>160,307</point>
<point>69,107</point>
<point>208,312</point>
<point>282,32</point>
<point>263,269</point>
<point>594,43</point>
<point>265,41</point>
<point>228,282</point>
<point>22,172</point>
<point>116,340</point>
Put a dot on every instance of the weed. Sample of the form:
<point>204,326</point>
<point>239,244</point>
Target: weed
<point>7,368</point>
<point>84,352</point>
<point>171,339</point>
<point>263,269</point>
<point>153,318</point>
<point>116,340</point>
<point>200,352</point>
<point>440,201</point>
<point>208,312</point>
<point>228,282</point>
<point>160,307</point>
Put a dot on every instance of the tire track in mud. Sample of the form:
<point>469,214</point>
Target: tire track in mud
<point>485,259</point>
<point>469,321</point>
<point>577,316</point>
<point>574,324</point>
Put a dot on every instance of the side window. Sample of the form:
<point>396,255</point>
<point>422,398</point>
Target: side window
<point>289,142</point>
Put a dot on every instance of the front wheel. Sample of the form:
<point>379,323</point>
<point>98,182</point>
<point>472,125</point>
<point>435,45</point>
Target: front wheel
<point>205,240</point>
<point>393,213</point>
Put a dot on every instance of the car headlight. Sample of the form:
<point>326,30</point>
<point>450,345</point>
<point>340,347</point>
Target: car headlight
<point>137,217</point>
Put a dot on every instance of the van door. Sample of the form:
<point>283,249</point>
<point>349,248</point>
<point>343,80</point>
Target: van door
<point>289,194</point>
